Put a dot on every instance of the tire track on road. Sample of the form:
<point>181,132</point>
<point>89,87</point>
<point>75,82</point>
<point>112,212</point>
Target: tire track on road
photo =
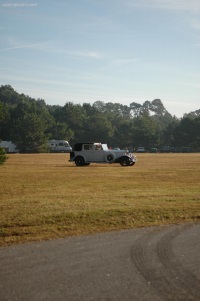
<point>153,256</point>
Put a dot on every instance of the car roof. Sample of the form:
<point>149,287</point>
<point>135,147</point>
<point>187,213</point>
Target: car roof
<point>78,146</point>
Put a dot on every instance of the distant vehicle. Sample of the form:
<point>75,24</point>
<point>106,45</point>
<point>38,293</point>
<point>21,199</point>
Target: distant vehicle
<point>9,147</point>
<point>186,149</point>
<point>141,149</point>
<point>59,146</point>
<point>153,150</point>
<point>181,150</point>
<point>94,152</point>
<point>166,149</point>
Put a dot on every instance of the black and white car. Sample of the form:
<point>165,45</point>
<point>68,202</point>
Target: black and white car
<point>94,152</point>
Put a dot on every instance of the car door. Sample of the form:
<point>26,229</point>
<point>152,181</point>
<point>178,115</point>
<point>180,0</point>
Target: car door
<point>92,153</point>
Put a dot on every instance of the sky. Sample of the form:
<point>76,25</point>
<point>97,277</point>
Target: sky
<point>119,51</point>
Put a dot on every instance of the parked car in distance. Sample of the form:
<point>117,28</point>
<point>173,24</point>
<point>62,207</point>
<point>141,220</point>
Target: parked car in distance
<point>141,149</point>
<point>166,149</point>
<point>94,152</point>
<point>153,150</point>
<point>183,149</point>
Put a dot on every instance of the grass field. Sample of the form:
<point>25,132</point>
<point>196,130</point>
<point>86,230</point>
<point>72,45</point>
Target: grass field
<point>43,196</point>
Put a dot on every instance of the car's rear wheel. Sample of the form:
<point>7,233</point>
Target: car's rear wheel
<point>125,161</point>
<point>79,161</point>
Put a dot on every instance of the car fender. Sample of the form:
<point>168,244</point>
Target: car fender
<point>121,157</point>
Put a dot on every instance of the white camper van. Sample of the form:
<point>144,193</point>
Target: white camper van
<point>59,146</point>
<point>9,147</point>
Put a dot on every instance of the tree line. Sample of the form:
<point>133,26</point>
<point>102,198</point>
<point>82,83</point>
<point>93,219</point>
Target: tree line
<point>30,123</point>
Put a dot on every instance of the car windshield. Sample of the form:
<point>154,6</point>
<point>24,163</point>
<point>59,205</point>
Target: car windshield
<point>105,147</point>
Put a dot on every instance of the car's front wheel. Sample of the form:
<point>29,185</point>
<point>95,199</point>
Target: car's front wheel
<point>79,161</point>
<point>124,161</point>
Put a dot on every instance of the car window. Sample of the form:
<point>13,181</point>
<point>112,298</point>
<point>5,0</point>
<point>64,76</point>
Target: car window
<point>98,147</point>
<point>87,147</point>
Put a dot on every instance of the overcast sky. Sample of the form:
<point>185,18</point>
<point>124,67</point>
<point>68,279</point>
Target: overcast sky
<point>110,50</point>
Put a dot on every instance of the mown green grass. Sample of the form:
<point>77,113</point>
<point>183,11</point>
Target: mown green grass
<point>43,196</point>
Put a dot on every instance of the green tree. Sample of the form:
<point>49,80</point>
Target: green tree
<point>145,132</point>
<point>8,95</point>
<point>122,136</point>
<point>60,131</point>
<point>3,156</point>
<point>183,133</point>
<point>1,111</point>
<point>168,137</point>
<point>29,122</point>
<point>135,109</point>
<point>196,134</point>
<point>187,133</point>
<point>97,125</point>
<point>75,117</point>
<point>5,125</point>
<point>29,134</point>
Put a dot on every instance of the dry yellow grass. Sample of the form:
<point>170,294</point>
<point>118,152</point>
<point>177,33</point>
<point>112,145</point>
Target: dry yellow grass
<point>43,196</point>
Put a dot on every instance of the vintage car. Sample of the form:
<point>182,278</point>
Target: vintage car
<point>94,152</point>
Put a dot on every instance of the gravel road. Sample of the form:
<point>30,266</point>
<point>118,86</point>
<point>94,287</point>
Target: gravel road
<point>148,264</point>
